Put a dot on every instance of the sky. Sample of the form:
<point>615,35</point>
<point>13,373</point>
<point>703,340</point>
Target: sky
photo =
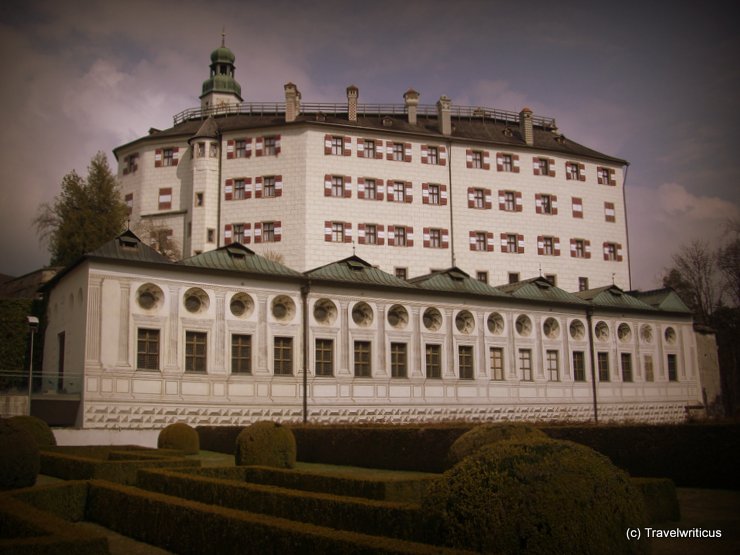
<point>655,83</point>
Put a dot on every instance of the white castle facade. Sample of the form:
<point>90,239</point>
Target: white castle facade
<point>393,224</point>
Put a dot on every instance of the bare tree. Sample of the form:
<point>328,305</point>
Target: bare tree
<point>159,237</point>
<point>274,256</point>
<point>728,262</point>
<point>695,270</point>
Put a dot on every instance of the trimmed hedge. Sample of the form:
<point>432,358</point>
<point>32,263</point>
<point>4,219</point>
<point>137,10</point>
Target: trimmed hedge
<point>537,496</point>
<point>19,456</point>
<point>179,525</point>
<point>485,434</point>
<point>266,443</point>
<point>38,429</point>
<point>659,496</point>
<point>26,530</point>
<point>179,436</point>
<point>399,520</point>
<point>65,500</point>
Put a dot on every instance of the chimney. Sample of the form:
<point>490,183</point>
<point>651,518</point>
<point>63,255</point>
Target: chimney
<point>291,102</point>
<point>525,126</point>
<point>411,98</point>
<point>444,115</point>
<point>352,94</point>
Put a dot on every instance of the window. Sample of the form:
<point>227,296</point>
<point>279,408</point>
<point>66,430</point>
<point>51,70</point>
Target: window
<point>270,146</point>
<point>433,194</point>
<point>324,357</point>
<point>362,359</point>
<point>510,201</point>
<point>603,175</point>
<point>371,189</point>
<point>240,189</point>
<point>168,156</point>
<point>283,356</point>
<point>582,283</point>
<point>547,246</point>
<point>200,150</point>
<point>511,244</point>
<point>129,203</point>
<point>241,354</point>
<point>435,238</point>
<point>337,186</point>
<point>398,152</point>
<point>513,277</point>
<point>268,184</point>
<point>212,150</point>
<point>479,198</point>
<point>147,349</point>
<point>165,198</point>
<point>506,162</point>
<point>609,213</point>
<point>575,171</point>
<point>649,376</point>
<point>579,366</point>
<point>268,232</point>
<point>369,148</point>
<point>603,365</point>
<point>434,361</point>
<point>480,241</point>
<point>626,367</point>
<point>552,278</point>
<point>610,251</point>
<point>433,155</point>
<point>525,364</point>
<point>553,366</point>
<point>398,360</point>
<point>371,234</point>
<point>337,232</point>
<point>210,235</point>
<point>672,368</point>
<point>482,276</point>
<point>337,146</point>
<point>198,200</point>
<point>465,360</point>
<point>401,236</point>
<point>402,273</point>
<point>131,163</point>
<point>195,351</point>
<point>399,191</point>
<point>580,249</point>
<point>546,203</point>
<point>238,232</point>
<point>497,363</point>
<point>241,148</point>
<point>543,165</point>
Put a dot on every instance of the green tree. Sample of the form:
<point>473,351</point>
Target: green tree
<point>86,214</point>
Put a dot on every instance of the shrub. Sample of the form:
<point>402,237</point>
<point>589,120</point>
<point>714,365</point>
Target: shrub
<point>179,436</point>
<point>474,439</point>
<point>38,429</point>
<point>19,457</point>
<point>266,443</point>
<point>537,496</point>
<point>661,501</point>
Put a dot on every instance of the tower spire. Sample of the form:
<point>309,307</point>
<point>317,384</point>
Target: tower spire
<point>223,36</point>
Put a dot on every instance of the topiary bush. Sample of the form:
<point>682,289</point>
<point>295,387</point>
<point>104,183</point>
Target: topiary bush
<point>474,439</point>
<point>266,443</point>
<point>19,457</point>
<point>537,496</point>
<point>179,436</point>
<point>38,429</point>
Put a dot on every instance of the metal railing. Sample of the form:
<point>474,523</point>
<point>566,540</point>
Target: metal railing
<point>15,382</point>
<point>365,110</point>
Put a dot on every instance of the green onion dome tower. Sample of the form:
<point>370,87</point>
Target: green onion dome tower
<point>221,89</point>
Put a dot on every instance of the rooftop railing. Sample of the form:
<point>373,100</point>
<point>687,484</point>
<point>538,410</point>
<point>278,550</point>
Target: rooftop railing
<point>363,110</point>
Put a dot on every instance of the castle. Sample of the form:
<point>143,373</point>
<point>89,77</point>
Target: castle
<point>438,262</point>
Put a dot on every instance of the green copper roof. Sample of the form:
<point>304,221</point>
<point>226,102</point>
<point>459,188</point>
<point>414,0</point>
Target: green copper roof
<point>238,258</point>
<point>222,83</point>
<point>222,73</point>
<point>356,271</point>
<point>455,280</point>
<point>127,246</point>
<point>540,289</point>
<point>663,299</point>
<point>222,55</point>
<point>613,296</point>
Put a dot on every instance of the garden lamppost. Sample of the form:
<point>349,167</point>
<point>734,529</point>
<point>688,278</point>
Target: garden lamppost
<point>33,326</point>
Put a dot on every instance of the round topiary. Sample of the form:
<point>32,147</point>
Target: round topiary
<point>537,496</point>
<point>179,436</point>
<point>38,429</point>
<point>266,443</point>
<point>19,457</point>
<point>477,437</point>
